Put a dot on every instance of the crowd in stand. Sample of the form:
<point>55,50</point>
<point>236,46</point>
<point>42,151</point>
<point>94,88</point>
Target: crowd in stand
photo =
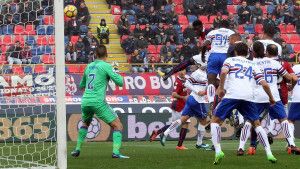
<point>154,22</point>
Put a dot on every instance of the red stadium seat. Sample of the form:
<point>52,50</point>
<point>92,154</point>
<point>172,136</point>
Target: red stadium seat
<point>19,29</point>
<point>241,29</point>
<point>48,20</point>
<point>3,58</point>
<point>74,39</point>
<point>295,39</point>
<point>290,29</point>
<point>231,9</point>
<point>48,59</point>
<point>51,40</point>
<point>39,69</point>
<point>30,30</point>
<point>151,49</point>
<point>179,9</point>
<point>17,70</point>
<point>123,38</point>
<point>178,2</point>
<point>236,2</point>
<point>285,37</point>
<point>264,9</point>
<point>73,68</point>
<point>297,48</point>
<point>142,26</point>
<point>158,48</point>
<point>204,19</point>
<point>19,38</point>
<point>212,18</point>
<point>183,27</point>
<point>282,28</point>
<point>116,19</point>
<point>7,40</point>
<point>116,10</point>
<point>132,27</point>
<point>42,40</point>
<point>182,19</point>
<point>3,48</point>
<point>258,28</point>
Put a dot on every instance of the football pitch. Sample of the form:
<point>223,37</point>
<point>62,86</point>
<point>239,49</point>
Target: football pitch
<point>146,155</point>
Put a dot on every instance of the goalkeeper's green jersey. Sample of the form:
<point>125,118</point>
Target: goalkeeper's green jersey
<point>95,80</point>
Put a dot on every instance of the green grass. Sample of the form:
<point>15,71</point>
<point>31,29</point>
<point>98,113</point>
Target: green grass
<point>146,155</point>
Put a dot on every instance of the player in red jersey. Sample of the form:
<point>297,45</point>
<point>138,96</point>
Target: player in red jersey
<point>180,95</point>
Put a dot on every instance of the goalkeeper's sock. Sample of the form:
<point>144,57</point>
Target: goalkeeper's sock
<point>163,129</point>
<point>81,136</point>
<point>117,141</point>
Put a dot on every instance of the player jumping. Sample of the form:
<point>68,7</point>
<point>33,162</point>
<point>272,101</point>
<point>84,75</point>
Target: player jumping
<point>195,106</point>
<point>94,81</point>
<point>239,72</point>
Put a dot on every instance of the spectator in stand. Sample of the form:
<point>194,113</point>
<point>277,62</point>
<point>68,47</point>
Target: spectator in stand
<point>232,21</point>
<point>186,50</point>
<point>190,34</point>
<point>73,27</point>
<point>80,48</point>
<point>288,14</point>
<point>221,6</point>
<point>127,7</point>
<point>113,2</point>
<point>88,40</point>
<point>13,54</point>
<point>162,15</point>
<point>92,51</point>
<point>137,32</point>
<point>296,11</point>
<point>26,54</point>
<point>29,11</point>
<point>149,34</point>
<point>103,32</point>
<point>129,44</point>
<point>166,50</point>
<point>153,16</point>
<point>287,51</point>
<point>142,15</point>
<point>177,55</point>
<point>257,14</point>
<point>270,20</point>
<point>171,34</point>
<point>297,24</point>
<point>210,7</point>
<point>123,25</point>
<point>244,13</point>
<point>160,36</point>
<point>279,14</point>
<point>197,7</point>
<point>70,53</point>
<point>158,3</point>
<point>9,20</point>
<point>279,2</point>
<point>1,19</point>
<point>172,17</point>
<point>217,21</point>
<point>147,4</point>
<point>83,14</point>
<point>137,62</point>
<point>164,68</point>
<point>141,43</point>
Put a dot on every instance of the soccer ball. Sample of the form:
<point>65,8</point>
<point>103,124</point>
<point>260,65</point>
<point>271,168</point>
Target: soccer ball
<point>93,130</point>
<point>70,11</point>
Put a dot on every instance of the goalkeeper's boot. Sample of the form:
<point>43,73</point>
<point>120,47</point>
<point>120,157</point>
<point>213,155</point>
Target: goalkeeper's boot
<point>218,158</point>
<point>75,153</point>
<point>153,135</point>
<point>240,152</point>
<point>118,156</point>
<point>271,158</point>
<point>202,146</point>
<point>162,139</point>
<point>293,150</point>
<point>251,150</point>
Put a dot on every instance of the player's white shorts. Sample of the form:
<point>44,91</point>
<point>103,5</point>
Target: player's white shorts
<point>175,116</point>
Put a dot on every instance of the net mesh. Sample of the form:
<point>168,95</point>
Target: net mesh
<point>27,83</point>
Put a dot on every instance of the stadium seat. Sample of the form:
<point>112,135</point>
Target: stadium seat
<point>35,59</point>
<point>116,19</point>
<point>259,28</point>
<point>123,38</point>
<point>7,40</point>
<point>39,69</point>
<point>6,70</point>
<point>48,59</point>
<point>66,40</point>
<point>42,40</point>
<point>285,37</point>
<point>297,48</point>
<point>116,10</point>
<point>17,70</point>
<point>282,28</point>
<point>3,48</point>
<point>131,19</point>
<point>183,27</point>
<point>168,8</point>
<point>35,51</point>
<point>236,2</point>
<point>30,30</point>
<point>179,9</point>
<point>204,19</point>
<point>50,30</point>
<point>211,19</point>
<point>178,2</point>
<point>264,9</point>
<point>241,29</point>
<point>17,18</point>
<point>290,29</point>
<point>178,28</point>
<point>30,40</point>
<point>44,49</point>
<point>142,27</point>
<point>151,49</point>
<point>3,58</point>
<point>48,20</point>
<point>249,28</point>
<point>131,28</point>
<point>183,20</point>
<point>74,39</point>
<point>19,38</point>
<point>7,29</point>
<point>51,40</point>
<point>231,9</point>
<point>83,29</point>
<point>41,30</point>
<point>73,69</point>
<point>270,9</point>
<point>158,48</point>
<point>19,29</point>
<point>295,39</point>
<point>28,70</point>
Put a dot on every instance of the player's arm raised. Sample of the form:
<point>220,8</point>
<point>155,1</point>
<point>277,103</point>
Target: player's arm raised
<point>115,77</point>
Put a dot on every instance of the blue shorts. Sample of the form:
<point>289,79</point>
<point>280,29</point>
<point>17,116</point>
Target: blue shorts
<point>193,108</point>
<point>215,63</point>
<point>246,108</point>
<point>294,112</point>
<point>276,112</point>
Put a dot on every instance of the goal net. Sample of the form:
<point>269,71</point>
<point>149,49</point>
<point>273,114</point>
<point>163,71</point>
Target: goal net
<point>31,106</point>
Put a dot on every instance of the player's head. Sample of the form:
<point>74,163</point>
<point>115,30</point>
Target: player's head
<point>258,50</point>
<point>272,50</point>
<point>101,52</point>
<point>198,27</point>
<point>269,30</point>
<point>182,73</point>
<point>224,24</point>
<point>236,37</point>
<point>241,49</point>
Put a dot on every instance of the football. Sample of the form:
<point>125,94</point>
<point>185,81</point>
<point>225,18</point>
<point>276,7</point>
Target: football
<point>93,130</point>
<point>70,11</point>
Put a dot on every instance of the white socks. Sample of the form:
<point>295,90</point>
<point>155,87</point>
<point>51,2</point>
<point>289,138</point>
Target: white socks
<point>245,134</point>
<point>173,126</point>
<point>200,135</point>
<point>263,139</point>
<point>287,132</point>
<point>215,130</point>
<point>292,126</point>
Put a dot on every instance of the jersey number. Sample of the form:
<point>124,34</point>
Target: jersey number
<point>240,73</point>
<point>91,79</point>
<point>221,40</point>
<point>268,77</point>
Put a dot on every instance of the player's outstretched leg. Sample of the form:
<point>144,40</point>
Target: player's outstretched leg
<point>200,135</point>
<point>245,134</point>
<point>80,139</point>
<point>263,139</point>
<point>287,132</point>
<point>178,68</point>
<point>155,133</point>
<point>163,136</point>
<point>216,138</point>
<point>117,138</point>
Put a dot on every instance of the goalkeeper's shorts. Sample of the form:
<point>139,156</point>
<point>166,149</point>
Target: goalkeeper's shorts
<point>102,111</point>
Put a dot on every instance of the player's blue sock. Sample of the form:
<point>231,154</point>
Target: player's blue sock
<point>163,129</point>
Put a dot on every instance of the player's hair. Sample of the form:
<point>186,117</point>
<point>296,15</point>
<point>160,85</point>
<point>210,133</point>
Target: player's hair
<point>224,24</point>
<point>236,36</point>
<point>197,23</point>
<point>269,30</point>
<point>101,51</point>
<point>241,49</point>
<point>259,49</point>
<point>272,50</point>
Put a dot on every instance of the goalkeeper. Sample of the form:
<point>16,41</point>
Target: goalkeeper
<point>94,81</point>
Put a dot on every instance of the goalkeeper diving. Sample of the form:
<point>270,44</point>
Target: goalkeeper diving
<point>95,79</point>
